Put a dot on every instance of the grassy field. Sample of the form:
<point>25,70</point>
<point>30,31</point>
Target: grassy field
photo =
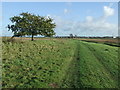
<point>107,41</point>
<point>59,63</point>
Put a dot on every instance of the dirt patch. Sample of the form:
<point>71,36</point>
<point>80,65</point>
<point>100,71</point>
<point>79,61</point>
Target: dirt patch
<point>53,85</point>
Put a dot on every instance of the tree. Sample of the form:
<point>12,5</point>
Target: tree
<point>75,36</point>
<point>47,27</point>
<point>30,24</point>
<point>71,35</point>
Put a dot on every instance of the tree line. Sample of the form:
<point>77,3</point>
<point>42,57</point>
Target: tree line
<point>31,24</point>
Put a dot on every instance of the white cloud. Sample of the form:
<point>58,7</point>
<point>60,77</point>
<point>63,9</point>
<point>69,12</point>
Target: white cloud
<point>66,11</point>
<point>98,26</point>
<point>90,26</point>
<point>108,11</point>
<point>89,18</point>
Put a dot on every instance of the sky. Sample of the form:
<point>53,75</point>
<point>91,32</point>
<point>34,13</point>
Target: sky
<point>77,18</point>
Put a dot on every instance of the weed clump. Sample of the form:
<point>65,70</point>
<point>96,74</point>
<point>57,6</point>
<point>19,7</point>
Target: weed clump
<point>106,50</point>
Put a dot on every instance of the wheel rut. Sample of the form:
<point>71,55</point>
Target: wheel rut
<point>72,78</point>
<point>100,59</point>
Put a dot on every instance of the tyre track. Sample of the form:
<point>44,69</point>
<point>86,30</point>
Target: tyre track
<point>72,79</point>
<point>100,59</point>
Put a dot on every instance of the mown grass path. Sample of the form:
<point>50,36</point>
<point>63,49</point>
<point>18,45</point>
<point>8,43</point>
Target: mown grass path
<point>101,60</point>
<point>99,66</point>
<point>90,68</point>
<point>72,78</point>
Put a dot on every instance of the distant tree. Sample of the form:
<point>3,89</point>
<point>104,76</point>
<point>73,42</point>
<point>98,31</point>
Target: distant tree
<point>75,35</point>
<point>71,35</point>
<point>30,24</point>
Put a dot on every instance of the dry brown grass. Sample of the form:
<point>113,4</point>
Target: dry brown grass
<point>102,40</point>
<point>23,39</point>
<point>111,40</point>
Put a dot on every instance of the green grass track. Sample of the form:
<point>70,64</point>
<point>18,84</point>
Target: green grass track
<point>59,63</point>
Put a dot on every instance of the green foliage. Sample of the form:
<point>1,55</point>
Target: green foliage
<point>30,24</point>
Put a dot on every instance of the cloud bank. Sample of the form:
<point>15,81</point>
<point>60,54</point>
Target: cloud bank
<point>89,27</point>
<point>108,11</point>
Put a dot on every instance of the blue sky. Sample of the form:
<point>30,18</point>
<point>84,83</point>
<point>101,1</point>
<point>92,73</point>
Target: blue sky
<point>80,18</point>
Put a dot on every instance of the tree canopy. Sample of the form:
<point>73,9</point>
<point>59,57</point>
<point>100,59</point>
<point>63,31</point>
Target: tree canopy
<point>31,24</point>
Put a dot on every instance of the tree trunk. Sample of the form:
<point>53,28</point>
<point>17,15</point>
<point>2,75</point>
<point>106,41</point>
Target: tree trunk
<point>32,38</point>
<point>21,38</point>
